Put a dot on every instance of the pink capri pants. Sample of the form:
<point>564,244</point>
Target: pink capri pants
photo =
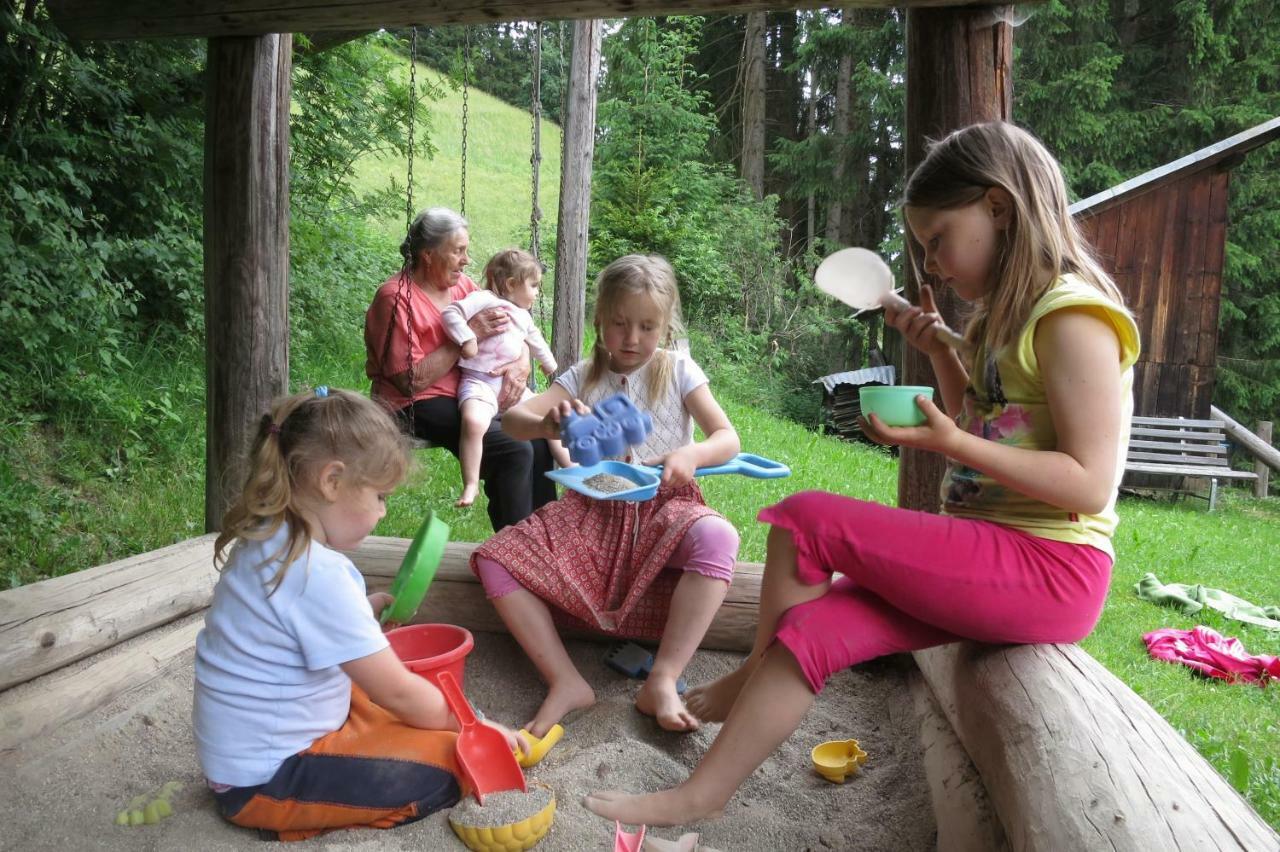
<point>914,580</point>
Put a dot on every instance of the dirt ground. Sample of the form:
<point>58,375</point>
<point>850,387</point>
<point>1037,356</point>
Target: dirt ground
<point>64,790</point>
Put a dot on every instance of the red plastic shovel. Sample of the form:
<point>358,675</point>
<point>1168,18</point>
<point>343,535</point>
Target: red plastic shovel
<point>484,755</point>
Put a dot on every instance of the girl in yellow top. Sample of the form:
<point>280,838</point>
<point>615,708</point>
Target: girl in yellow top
<point>1034,429</point>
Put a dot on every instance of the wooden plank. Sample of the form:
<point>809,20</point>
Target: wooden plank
<point>246,251</point>
<point>457,597</point>
<point>1177,434</point>
<point>1177,458</point>
<point>1073,759</point>
<point>1153,213</point>
<point>47,625</point>
<point>1176,421</point>
<point>109,19</point>
<point>1188,470</point>
<point>55,699</point>
<point>1180,447</point>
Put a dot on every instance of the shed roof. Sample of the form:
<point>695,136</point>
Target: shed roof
<point>1215,154</point>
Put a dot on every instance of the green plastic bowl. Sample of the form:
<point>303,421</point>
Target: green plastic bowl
<point>895,406</point>
<point>417,570</point>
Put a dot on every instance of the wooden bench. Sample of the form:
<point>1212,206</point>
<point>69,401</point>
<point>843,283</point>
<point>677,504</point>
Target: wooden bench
<point>1173,446</point>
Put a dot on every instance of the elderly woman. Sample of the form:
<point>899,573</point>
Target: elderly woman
<point>414,364</point>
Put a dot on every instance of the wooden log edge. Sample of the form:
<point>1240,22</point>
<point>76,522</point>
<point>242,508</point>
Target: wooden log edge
<point>456,596</point>
<point>1074,759</point>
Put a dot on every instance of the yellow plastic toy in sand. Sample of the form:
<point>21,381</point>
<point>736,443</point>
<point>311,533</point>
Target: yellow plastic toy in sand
<point>508,838</point>
<point>836,759</point>
<point>150,808</point>
<point>538,746</point>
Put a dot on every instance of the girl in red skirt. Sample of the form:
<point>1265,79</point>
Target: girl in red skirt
<point>657,569</point>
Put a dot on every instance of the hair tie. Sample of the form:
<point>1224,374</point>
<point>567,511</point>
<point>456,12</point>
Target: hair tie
<point>273,429</point>
<point>322,391</point>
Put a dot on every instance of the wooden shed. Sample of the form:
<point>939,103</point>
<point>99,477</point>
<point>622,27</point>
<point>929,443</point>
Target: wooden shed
<point>1162,235</point>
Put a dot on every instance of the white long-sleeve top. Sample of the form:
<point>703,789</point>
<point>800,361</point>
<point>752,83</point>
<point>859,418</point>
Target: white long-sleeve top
<point>498,349</point>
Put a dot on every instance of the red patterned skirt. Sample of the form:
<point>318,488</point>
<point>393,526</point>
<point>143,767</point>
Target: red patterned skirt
<point>600,563</point>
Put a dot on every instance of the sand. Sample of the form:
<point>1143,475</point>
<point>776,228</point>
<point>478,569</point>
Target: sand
<point>64,790</point>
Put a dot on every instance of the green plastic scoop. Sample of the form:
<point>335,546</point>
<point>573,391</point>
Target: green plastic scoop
<point>417,570</point>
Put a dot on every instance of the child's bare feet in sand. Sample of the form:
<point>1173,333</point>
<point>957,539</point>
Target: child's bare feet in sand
<point>712,702</point>
<point>670,807</point>
<point>564,697</point>
<point>658,698</point>
<point>469,494</point>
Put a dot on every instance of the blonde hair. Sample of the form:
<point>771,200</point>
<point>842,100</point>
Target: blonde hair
<point>506,265</point>
<point>633,274</point>
<point>301,435</point>
<point>1042,241</point>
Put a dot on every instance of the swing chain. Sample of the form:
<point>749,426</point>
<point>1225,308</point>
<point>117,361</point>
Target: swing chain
<point>466,83</point>
<point>535,144</point>
<point>413,107</point>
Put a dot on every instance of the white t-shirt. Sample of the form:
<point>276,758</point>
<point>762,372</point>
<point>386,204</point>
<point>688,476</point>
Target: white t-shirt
<point>672,423</point>
<point>268,683</point>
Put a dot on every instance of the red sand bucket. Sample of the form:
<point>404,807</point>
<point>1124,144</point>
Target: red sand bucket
<point>428,649</point>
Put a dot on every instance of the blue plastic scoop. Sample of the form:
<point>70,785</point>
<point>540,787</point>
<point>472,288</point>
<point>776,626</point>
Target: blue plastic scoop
<point>646,478</point>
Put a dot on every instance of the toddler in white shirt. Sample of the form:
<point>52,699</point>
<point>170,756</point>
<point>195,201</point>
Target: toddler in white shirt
<point>512,278</point>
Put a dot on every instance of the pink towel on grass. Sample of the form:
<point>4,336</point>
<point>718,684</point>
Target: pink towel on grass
<point>1212,654</point>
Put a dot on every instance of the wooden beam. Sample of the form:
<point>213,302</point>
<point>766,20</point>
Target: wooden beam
<point>246,251</point>
<point>577,152</point>
<point>959,71</point>
<point>60,697</point>
<point>456,596</point>
<point>1073,759</point>
<point>50,624</point>
<point>1249,442</point>
<point>112,19</point>
<point>1263,431</point>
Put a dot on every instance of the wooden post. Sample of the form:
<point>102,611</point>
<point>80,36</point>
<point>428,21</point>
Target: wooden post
<point>1259,467</point>
<point>575,194</point>
<point>958,73</point>
<point>246,250</point>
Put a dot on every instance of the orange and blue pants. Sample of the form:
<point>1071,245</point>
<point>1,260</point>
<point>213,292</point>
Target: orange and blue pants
<point>374,772</point>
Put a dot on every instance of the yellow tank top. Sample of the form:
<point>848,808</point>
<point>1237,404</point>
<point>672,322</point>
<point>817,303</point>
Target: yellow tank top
<point>1005,401</point>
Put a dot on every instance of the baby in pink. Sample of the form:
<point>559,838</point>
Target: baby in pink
<point>513,278</point>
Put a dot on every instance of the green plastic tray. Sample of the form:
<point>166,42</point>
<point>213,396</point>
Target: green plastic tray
<point>417,570</point>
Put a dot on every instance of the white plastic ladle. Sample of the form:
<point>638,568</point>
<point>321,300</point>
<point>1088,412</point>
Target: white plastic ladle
<point>862,280</point>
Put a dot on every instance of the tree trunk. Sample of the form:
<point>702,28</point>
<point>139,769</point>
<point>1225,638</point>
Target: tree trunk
<point>811,127</point>
<point>575,194</point>
<point>958,72</point>
<point>753,103</point>
<point>839,136</point>
<point>246,251</point>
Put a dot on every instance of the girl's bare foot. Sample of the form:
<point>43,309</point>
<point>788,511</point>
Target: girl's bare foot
<point>469,494</point>
<point>712,702</point>
<point>658,698</point>
<point>564,697</point>
<point>669,807</point>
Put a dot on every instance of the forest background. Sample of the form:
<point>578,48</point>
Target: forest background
<point>101,147</point>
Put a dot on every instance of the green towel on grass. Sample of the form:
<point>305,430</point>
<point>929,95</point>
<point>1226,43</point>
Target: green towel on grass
<point>1191,599</point>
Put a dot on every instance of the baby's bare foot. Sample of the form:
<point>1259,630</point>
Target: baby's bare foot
<point>669,807</point>
<point>712,702</point>
<point>563,697</point>
<point>469,494</point>
<point>658,698</point>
